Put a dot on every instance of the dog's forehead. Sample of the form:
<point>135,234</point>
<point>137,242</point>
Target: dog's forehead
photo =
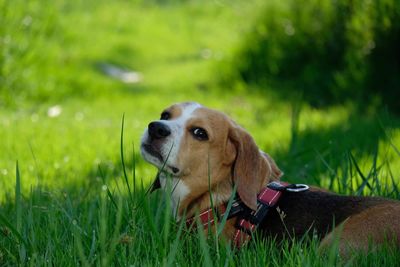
<point>189,110</point>
<point>214,117</point>
<point>183,109</point>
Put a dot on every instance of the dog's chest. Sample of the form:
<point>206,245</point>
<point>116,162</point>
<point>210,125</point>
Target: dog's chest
<point>176,191</point>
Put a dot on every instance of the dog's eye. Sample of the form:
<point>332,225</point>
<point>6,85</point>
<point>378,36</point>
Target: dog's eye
<point>165,116</point>
<point>199,133</point>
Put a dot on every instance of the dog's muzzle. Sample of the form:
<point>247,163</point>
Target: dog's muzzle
<point>157,134</point>
<point>152,151</point>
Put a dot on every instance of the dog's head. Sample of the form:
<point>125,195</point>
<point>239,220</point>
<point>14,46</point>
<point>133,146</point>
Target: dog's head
<point>202,148</point>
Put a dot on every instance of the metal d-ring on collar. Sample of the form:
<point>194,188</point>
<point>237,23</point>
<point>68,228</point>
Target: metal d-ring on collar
<point>297,188</point>
<point>288,187</point>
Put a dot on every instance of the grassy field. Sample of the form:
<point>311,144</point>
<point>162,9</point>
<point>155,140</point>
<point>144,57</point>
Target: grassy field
<point>69,202</point>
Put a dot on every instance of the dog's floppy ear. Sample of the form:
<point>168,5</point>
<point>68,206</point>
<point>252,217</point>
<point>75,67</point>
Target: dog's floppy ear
<point>251,169</point>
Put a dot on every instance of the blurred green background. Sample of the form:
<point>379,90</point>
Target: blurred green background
<point>317,83</point>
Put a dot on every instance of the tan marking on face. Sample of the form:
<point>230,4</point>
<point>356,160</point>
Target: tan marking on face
<point>174,110</point>
<point>208,164</point>
<point>202,159</point>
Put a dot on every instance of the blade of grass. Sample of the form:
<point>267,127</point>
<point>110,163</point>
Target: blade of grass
<point>203,244</point>
<point>31,222</point>
<point>212,206</point>
<point>103,215</point>
<point>221,225</point>
<point>123,159</point>
<point>134,168</point>
<point>157,177</point>
<point>18,210</point>
<point>373,172</point>
<point>174,248</point>
<point>13,230</point>
<point>92,252</point>
<point>79,247</point>
<point>18,199</point>
<point>36,164</point>
<point>388,137</point>
<point>115,237</point>
<point>395,184</point>
<point>365,179</point>
<point>109,194</point>
<point>331,171</point>
<point>166,220</point>
<point>149,219</point>
<point>166,223</point>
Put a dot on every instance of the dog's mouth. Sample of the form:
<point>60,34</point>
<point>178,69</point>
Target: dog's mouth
<point>152,151</point>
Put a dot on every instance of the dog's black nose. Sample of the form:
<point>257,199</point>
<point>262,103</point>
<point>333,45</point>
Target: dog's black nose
<point>158,130</point>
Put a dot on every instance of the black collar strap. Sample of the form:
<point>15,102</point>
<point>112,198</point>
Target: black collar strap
<point>248,220</point>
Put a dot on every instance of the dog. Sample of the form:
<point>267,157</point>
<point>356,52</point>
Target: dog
<point>204,157</point>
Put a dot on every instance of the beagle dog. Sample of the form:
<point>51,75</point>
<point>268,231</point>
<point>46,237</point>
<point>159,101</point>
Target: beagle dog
<point>203,157</point>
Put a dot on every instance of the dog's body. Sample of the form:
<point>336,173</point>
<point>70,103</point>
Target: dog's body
<point>318,212</point>
<point>202,153</point>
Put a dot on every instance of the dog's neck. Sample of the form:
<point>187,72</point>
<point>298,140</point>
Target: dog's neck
<point>220,193</point>
<point>177,191</point>
<point>184,201</point>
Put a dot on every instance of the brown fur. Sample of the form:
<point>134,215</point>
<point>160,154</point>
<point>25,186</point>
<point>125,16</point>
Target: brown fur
<point>375,225</point>
<point>231,157</point>
<point>175,111</point>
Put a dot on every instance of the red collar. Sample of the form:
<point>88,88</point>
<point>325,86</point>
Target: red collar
<point>248,220</point>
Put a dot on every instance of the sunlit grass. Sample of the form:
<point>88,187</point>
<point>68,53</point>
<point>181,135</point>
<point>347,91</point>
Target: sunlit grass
<point>108,225</point>
<point>69,159</point>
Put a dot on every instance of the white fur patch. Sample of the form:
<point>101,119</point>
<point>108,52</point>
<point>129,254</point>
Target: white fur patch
<point>178,129</point>
<point>178,190</point>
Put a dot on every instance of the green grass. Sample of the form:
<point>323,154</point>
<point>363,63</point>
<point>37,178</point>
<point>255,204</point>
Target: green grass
<point>67,202</point>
